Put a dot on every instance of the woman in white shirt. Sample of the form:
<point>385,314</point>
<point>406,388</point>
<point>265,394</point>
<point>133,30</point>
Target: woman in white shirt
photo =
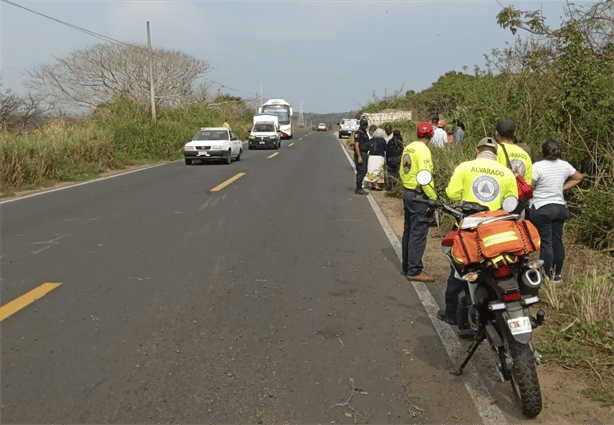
<point>548,212</point>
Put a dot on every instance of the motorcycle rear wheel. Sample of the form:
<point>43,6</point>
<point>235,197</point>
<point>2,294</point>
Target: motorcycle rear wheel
<point>523,376</point>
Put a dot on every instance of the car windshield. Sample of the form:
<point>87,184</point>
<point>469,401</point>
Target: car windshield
<point>264,127</point>
<point>282,111</point>
<point>211,135</point>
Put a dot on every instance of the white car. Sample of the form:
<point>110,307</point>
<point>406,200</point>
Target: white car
<point>321,127</point>
<point>348,127</point>
<point>218,143</point>
<point>265,134</point>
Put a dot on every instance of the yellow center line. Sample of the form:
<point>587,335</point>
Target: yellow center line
<point>273,155</point>
<point>26,299</point>
<point>291,144</point>
<point>227,182</point>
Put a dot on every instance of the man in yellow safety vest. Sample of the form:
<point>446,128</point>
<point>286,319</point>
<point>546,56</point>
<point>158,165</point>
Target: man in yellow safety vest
<point>415,157</point>
<point>485,181</point>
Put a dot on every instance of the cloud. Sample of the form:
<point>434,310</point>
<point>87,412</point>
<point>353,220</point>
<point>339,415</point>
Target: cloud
<point>127,20</point>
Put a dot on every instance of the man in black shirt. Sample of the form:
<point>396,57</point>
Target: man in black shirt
<point>362,145</point>
<point>394,150</point>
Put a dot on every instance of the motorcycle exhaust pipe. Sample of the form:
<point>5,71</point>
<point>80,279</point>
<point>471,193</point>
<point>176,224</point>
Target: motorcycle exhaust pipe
<point>532,278</point>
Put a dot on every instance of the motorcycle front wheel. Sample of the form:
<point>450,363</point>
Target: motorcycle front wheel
<point>523,376</point>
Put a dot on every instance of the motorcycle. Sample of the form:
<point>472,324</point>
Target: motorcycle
<point>498,294</point>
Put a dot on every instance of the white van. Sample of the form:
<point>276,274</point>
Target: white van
<point>265,132</point>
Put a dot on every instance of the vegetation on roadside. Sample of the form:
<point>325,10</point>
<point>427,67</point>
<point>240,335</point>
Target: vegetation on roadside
<point>115,134</point>
<point>560,87</point>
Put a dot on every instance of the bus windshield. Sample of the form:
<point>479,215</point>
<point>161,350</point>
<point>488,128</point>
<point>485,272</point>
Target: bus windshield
<point>282,111</point>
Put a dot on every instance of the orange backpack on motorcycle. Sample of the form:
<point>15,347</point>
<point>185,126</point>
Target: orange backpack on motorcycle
<point>495,236</point>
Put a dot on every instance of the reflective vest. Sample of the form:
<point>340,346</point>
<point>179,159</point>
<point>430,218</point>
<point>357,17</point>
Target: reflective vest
<point>484,181</point>
<point>416,157</point>
<point>519,159</point>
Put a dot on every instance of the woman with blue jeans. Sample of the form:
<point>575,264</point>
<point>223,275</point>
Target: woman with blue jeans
<point>551,176</point>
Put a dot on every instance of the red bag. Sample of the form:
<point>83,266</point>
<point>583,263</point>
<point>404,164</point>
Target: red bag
<point>524,189</point>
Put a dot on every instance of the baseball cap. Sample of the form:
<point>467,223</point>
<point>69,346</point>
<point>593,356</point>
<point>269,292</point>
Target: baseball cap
<point>441,124</point>
<point>505,127</point>
<point>488,141</point>
<point>425,129</point>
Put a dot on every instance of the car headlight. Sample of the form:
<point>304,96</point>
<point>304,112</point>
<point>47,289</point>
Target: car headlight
<point>189,148</point>
<point>272,137</point>
<point>216,147</point>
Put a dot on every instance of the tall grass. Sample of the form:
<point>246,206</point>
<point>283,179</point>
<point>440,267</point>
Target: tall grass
<point>57,151</point>
<point>120,132</point>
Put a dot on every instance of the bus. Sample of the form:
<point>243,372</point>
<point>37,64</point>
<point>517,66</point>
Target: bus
<point>283,110</point>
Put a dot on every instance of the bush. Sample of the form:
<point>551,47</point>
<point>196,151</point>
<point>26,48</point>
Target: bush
<point>56,151</point>
<point>119,132</point>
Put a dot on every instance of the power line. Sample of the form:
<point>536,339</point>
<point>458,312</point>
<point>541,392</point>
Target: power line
<point>103,37</point>
<point>86,31</point>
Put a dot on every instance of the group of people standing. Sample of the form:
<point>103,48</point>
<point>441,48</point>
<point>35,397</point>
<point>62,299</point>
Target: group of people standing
<point>487,180</point>
<point>374,147</point>
<point>445,135</point>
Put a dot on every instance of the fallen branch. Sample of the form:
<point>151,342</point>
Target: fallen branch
<point>353,390</point>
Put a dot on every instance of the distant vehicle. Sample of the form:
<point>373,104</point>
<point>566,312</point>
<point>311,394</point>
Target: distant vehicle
<point>321,127</point>
<point>348,127</point>
<point>284,111</point>
<point>265,132</point>
<point>213,143</point>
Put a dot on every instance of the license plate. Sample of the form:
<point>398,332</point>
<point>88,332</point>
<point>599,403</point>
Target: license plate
<point>203,153</point>
<point>521,325</point>
<point>262,143</point>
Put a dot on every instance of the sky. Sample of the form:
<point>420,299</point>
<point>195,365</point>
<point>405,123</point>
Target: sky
<point>321,56</point>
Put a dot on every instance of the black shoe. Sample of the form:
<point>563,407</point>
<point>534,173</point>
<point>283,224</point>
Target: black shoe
<point>441,315</point>
<point>360,192</point>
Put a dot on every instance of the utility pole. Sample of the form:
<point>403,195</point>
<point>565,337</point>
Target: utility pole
<point>301,118</point>
<point>151,84</point>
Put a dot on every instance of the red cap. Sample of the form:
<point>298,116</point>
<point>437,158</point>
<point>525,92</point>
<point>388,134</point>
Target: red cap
<point>425,129</point>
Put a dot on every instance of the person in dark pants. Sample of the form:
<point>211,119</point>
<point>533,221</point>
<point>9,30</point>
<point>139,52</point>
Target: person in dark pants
<point>464,186</point>
<point>548,212</point>
<point>394,150</point>
<point>416,157</point>
<point>362,145</point>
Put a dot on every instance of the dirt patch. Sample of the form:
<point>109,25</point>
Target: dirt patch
<point>564,402</point>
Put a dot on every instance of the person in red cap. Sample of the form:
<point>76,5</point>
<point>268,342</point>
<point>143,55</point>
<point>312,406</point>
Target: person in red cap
<point>416,157</point>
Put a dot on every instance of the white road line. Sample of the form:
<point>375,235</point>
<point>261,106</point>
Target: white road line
<point>43,192</point>
<point>490,412</point>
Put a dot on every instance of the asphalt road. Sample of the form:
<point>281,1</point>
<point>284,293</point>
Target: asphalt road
<point>277,298</point>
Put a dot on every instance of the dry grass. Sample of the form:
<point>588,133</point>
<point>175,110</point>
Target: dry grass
<point>58,150</point>
<point>579,329</point>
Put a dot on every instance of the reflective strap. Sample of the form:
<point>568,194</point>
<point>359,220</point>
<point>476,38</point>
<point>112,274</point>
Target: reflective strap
<point>500,238</point>
<point>499,261</point>
<point>458,260</point>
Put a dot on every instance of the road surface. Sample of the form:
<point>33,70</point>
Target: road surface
<point>276,298</point>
